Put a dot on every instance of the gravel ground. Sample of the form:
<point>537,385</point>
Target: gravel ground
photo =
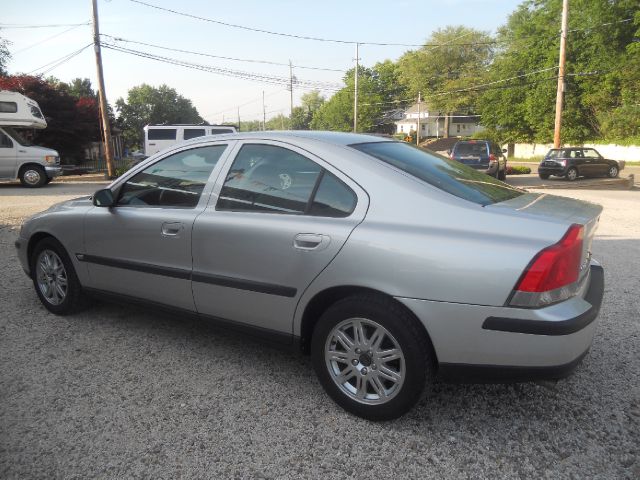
<point>120,392</point>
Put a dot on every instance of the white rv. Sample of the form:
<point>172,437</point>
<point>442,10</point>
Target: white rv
<point>34,166</point>
<point>159,137</point>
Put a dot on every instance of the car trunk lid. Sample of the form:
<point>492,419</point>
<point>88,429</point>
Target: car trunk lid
<point>556,209</point>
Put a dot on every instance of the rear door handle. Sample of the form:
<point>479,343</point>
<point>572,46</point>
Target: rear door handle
<point>172,229</point>
<point>311,241</point>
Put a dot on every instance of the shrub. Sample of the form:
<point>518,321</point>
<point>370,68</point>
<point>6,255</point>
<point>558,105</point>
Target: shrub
<point>518,170</point>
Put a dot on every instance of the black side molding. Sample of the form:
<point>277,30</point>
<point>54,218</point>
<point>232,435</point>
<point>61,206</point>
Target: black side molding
<point>136,266</point>
<point>467,373</point>
<point>239,283</point>
<point>242,284</point>
<point>564,327</point>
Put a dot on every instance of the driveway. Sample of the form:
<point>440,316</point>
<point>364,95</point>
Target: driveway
<point>118,391</point>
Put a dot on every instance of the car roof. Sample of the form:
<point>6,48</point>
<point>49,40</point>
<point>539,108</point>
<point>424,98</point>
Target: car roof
<point>335,138</point>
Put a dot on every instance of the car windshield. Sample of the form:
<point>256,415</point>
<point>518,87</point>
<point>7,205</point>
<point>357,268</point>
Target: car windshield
<point>17,136</point>
<point>469,148</point>
<point>448,175</point>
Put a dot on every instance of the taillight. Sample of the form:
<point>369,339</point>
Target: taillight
<point>553,273</point>
<point>492,158</point>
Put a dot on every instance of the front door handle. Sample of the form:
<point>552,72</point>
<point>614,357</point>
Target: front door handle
<point>172,229</point>
<point>311,241</point>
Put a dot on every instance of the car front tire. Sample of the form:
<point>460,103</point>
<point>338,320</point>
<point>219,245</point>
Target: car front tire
<point>371,356</point>
<point>54,278</point>
<point>33,176</point>
<point>613,171</point>
<point>502,174</point>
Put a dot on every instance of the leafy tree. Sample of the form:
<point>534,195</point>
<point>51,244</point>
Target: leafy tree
<point>454,65</point>
<point>377,88</point>
<point>80,87</point>
<point>602,71</point>
<point>279,122</point>
<point>5,55</point>
<point>71,122</point>
<point>301,116</point>
<point>150,105</point>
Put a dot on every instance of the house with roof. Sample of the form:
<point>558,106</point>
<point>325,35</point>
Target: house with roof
<point>432,122</point>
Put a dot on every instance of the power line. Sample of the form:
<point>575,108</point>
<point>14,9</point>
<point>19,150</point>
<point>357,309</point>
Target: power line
<point>300,37</point>
<point>267,62</point>
<point>6,26</point>
<point>244,104</point>
<point>586,29</point>
<point>264,78</point>
<point>46,39</point>
<point>59,61</point>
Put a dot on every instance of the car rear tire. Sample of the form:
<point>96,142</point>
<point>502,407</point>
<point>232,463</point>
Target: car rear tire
<point>371,356</point>
<point>54,278</point>
<point>613,171</point>
<point>572,174</point>
<point>32,176</point>
<point>543,176</point>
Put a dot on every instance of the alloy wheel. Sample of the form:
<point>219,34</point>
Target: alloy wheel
<point>51,277</point>
<point>365,361</point>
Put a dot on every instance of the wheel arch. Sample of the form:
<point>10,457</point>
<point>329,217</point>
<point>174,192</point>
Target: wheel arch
<point>35,239</point>
<point>325,298</point>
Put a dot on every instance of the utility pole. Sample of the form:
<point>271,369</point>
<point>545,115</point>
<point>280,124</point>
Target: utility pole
<point>291,89</point>
<point>106,127</point>
<point>419,115</point>
<point>238,118</point>
<point>560,91</point>
<point>264,114</point>
<point>355,96</point>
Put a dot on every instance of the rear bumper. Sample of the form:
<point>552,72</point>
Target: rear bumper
<point>477,343</point>
<point>559,171</point>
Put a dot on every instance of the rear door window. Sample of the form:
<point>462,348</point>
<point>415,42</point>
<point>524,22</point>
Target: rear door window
<point>269,178</point>
<point>447,175</point>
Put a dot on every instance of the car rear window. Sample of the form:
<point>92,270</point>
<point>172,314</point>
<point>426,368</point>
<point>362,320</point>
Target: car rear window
<point>465,148</point>
<point>447,175</point>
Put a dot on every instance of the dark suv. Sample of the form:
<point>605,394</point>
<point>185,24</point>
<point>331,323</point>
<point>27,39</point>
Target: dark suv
<point>481,155</point>
<point>572,163</point>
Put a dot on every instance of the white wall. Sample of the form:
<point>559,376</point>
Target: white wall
<point>611,151</point>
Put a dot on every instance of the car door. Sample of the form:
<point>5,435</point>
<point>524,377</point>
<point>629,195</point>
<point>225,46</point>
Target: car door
<point>141,247</point>
<point>276,219</point>
<point>596,164</point>
<point>7,156</point>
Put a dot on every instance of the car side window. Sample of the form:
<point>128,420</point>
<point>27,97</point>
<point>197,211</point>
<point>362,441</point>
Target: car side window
<point>268,178</point>
<point>333,198</point>
<point>175,181</point>
<point>5,141</point>
<point>590,154</point>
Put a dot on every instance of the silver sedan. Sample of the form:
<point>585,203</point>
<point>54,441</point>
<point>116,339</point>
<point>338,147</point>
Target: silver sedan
<point>389,265</point>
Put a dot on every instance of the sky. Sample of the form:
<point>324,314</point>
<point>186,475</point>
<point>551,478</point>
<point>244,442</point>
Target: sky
<point>217,97</point>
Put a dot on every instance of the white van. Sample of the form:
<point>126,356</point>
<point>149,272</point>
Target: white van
<point>19,159</point>
<point>19,111</point>
<point>159,137</point>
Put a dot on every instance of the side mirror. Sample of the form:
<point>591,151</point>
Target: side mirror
<point>504,150</point>
<point>104,198</point>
